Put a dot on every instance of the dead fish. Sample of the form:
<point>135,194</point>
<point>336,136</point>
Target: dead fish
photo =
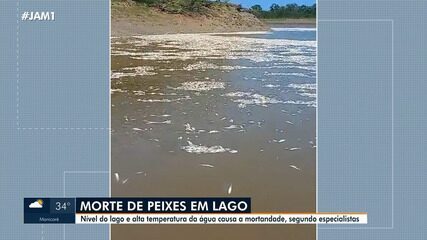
<point>139,173</point>
<point>206,165</point>
<point>137,129</point>
<point>164,122</point>
<point>213,131</point>
<point>233,151</point>
<point>125,181</point>
<point>230,189</point>
<point>189,128</point>
<point>279,141</point>
<point>289,122</point>
<point>116,175</point>
<point>231,127</point>
<point>164,115</point>
<point>295,167</point>
<point>294,149</point>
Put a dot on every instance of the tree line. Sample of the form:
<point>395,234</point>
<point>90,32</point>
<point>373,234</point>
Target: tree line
<point>292,10</point>
<point>181,6</point>
<point>275,11</point>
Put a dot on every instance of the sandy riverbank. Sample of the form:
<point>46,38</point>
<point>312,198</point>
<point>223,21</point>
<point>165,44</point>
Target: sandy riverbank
<point>136,19</point>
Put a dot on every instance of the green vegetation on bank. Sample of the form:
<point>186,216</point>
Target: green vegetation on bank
<point>287,11</point>
<point>182,6</point>
<point>290,11</point>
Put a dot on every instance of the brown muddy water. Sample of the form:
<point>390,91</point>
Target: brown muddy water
<point>197,115</point>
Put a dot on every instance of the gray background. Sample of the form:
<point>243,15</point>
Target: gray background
<point>54,114</point>
<point>371,117</point>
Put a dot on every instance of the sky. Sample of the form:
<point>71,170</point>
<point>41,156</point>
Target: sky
<point>267,3</point>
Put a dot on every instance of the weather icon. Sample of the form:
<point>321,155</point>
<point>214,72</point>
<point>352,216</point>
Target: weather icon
<point>37,204</point>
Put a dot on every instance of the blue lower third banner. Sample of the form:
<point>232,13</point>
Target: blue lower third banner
<point>64,210</point>
<point>168,211</point>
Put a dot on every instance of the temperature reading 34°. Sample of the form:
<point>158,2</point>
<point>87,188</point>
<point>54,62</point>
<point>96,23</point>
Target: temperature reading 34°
<point>62,205</point>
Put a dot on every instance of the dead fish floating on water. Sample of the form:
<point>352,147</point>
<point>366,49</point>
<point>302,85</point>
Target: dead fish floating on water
<point>206,165</point>
<point>289,122</point>
<point>164,122</point>
<point>279,141</point>
<point>232,127</point>
<point>125,181</point>
<point>293,149</point>
<point>139,93</point>
<point>271,86</point>
<point>230,189</point>
<point>189,128</point>
<point>137,129</point>
<point>117,177</point>
<point>295,167</point>
<point>164,115</point>
<point>199,149</point>
<point>141,172</point>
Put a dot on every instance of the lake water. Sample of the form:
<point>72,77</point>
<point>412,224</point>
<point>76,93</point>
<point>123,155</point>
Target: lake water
<point>218,115</point>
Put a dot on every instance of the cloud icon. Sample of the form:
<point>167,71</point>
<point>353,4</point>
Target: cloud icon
<point>37,204</point>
